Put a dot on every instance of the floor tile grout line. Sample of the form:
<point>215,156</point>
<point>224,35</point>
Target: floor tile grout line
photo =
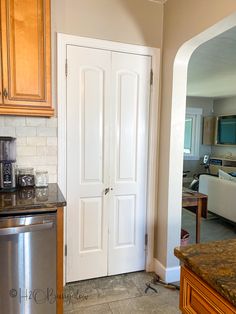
<point>110,308</point>
<point>108,303</point>
<point>102,303</point>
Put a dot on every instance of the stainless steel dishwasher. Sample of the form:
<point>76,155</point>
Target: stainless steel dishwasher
<point>28,264</point>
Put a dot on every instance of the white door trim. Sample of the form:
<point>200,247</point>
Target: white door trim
<point>62,41</point>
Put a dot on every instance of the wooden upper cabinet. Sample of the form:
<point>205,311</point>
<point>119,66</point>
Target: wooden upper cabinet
<point>26,57</point>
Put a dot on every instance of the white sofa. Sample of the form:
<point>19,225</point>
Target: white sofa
<point>221,196</point>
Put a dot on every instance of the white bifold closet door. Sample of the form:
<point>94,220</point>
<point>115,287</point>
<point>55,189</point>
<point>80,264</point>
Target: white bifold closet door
<point>107,143</point>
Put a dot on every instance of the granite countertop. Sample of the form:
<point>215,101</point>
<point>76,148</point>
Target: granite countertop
<point>213,262</point>
<point>28,200</point>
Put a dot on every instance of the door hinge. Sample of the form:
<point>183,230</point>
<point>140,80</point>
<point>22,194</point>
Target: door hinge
<point>151,77</point>
<point>146,239</point>
<point>66,250</point>
<point>66,67</point>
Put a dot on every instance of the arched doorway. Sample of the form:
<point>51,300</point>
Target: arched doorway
<point>177,136</point>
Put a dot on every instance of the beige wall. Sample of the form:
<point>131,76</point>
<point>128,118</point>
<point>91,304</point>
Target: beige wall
<point>225,106</point>
<point>183,19</point>
<point>129,21</point>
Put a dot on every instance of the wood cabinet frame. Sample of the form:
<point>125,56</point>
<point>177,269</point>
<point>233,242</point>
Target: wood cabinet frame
<point>197,297</point>
<point>37,100</point>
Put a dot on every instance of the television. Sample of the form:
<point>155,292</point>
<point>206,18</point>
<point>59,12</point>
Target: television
<point>226,130</point>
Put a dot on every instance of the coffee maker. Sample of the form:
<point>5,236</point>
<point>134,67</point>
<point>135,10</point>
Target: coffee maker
<point>7,163</point>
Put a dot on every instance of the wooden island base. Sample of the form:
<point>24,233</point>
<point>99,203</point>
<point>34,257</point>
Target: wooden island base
<point>197,297</point>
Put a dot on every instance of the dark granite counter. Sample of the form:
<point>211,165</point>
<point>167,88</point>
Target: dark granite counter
<point>213,262</point>
<point>30,200</point>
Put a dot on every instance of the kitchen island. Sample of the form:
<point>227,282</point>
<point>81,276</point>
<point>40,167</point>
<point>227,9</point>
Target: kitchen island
<point>208,277</point>
<point>31,250</point>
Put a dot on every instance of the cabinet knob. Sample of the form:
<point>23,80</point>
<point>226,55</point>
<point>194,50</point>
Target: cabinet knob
<point>5,93</point>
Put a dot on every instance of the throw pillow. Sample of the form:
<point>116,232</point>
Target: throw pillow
<point>225,176</point>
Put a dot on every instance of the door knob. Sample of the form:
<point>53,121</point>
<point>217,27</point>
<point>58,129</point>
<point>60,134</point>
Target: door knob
<point>106,191</point>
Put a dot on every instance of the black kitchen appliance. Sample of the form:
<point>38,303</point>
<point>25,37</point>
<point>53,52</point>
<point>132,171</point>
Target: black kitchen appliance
<point>7,163</point>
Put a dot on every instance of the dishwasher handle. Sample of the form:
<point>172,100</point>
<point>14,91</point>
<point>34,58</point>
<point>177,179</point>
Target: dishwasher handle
<point>26,228</point>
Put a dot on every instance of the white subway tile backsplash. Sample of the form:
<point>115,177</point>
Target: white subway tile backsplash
<point>41,151</point>
<point>25,131</point>
<point>26,150</point>
<point>36,140</point>
<point>36,161</point>
<point>26,161</point>
<point>33,121</point>
<point>46,151</point>
<point>7,131</point>
<point>52,141</point>
<point>51,123</point>
<point>46,131</point>
<point>2,121</point>
<point>45,160</point>
<point>14,121</point>
<point>51,169</point>
<point>21,141</point>
<point>52,178</point>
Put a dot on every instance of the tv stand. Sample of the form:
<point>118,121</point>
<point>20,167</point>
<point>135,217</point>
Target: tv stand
<point>223,163</point>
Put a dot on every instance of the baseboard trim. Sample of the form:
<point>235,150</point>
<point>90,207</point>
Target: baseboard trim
<point>171,274</point>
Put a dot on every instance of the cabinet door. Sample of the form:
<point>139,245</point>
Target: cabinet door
<point>209,130</point>
<point>197,297</point>
<point>26,57</point>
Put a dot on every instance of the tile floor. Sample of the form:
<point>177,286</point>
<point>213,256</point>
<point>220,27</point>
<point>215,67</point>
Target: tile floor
<point>125,293</point>
<point>120,294</point>
<point>213,228</point>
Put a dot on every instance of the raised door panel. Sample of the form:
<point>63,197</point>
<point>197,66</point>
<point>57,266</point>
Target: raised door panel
<point>26,55</point>
<point>125,227</point>
<point>91,121</point>
<point>91,225</point>
<point>127,113</point>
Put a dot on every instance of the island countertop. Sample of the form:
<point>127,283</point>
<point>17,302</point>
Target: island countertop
<point>30,200</point>
<point>214,263</point>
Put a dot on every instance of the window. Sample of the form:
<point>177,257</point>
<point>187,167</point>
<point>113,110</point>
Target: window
<point>192,133</point>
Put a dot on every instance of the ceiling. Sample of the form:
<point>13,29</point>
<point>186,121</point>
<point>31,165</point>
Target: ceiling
<point>212,67</point>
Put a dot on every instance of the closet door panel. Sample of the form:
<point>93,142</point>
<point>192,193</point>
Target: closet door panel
<point>87,162</point>
<point>128,172</point>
